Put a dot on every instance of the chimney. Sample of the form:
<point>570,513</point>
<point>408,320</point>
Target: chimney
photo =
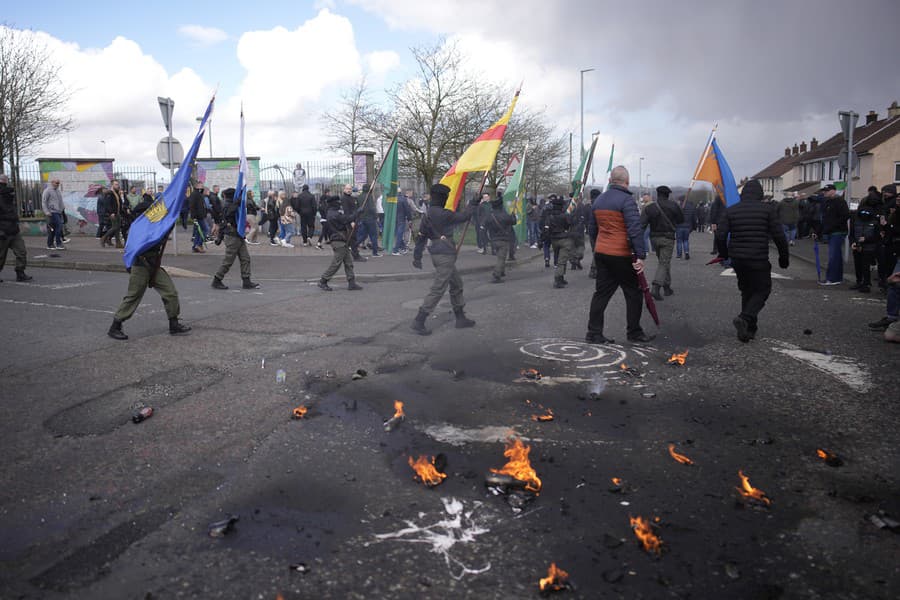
<point>871,117</point>
<point>893,110</point>
<point>813,144</point>
<point>802,147</point>
<point>787,151</point>
<point>795,150</point>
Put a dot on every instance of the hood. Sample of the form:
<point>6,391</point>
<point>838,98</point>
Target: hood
<point>752,191</point>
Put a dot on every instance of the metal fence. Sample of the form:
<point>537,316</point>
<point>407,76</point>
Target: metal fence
<point>320,175</point>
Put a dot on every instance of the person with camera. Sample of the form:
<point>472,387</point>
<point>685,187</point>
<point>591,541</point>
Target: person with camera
<point>437,227</point>
<point>235,246</point>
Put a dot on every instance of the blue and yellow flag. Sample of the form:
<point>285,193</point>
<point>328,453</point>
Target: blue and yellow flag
<point>240,193</point>
<point>153,225</point>
<point>714,168</point>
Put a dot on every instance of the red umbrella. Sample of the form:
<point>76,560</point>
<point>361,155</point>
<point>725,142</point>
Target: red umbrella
<point>648,297</point>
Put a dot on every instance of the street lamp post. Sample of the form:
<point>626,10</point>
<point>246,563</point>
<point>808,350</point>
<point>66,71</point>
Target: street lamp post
<point>581,140</point>
<point>104,147</point>
<point>209,130</point>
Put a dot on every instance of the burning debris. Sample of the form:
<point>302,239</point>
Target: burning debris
<point>617,485</point>
<point>222,528</point>
<point>556,580</point>
<point>532,374</point>
<point>831,459</point>
<point>398,417</point>
<point>299,412</point>
<point>517,480</point>
<point>643,530</point>
<point>750,493</point>
<point>678,359</point>
<point>629,371</point>
<point>679,457</point>
<point>547,416</point>
<point>426,472</point>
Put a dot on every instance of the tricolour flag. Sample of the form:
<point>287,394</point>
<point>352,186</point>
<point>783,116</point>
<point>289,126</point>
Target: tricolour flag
<point>388,177</point>
<point>153,225</point>
<point>714,168</point>
<point>514,196</point>
<point>240,193</point>
<point>479,156</point>
<point>581,175</point>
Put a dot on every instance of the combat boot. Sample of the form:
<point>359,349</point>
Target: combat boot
<point>175,327</point>
<point>353,286</point>
<point>461,320</point>
<point>655,292</point>
<point>115,331</point>
<point>418,324</point>
<point>559,283</point>
<point>323,285</point>
<point>496,279</point>
<point>667,290</point>
<point>218,285</point>
<point>249,285</point>
<point>21,276</point>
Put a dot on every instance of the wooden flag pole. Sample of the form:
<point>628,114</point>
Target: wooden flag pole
<point>709,141</point>
<point>372,185</point>
<point>466,226</point>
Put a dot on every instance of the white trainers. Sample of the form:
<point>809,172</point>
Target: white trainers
<point>286,244</point>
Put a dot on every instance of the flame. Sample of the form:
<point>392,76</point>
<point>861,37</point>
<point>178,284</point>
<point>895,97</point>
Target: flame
<point>822,454</point>
<point>555,579</point>
<point>679,457</point>
<point>426,472</point>
<point>548,416</point>
<point>530,373</point>
<point>623,366</point>
<point>519,466</point>
<point>644,532</point>
<point>398,409</point>
<point>300,412</point>
<point>678,359</point>
<point>616,481</point>
<point>748,491</point>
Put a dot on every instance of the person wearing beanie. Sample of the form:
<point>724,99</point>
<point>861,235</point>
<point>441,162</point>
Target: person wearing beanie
<point>340,225</point>
<point>556,225</point>
<point>751,223</point>
<point>437,227</point>
<point>663,217</point>
<point>499,224</point>
<point>235,245</point>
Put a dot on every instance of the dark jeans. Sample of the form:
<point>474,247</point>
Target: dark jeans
<point>862,263</point>
<point>755,282</point>
<point>307,227</point>
<point>54,230</point>
<point>614,272</point>
<point>682,240</point>
<point>273,229</point>
<point>835,270</point>
<point>368,228</point>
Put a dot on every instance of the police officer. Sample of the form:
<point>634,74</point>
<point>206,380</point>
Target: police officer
<point>662,216</point>
<point>340,223</point>
<point>557,225</point>
<point>226,230</point>
<point>499,225</point>
<point>146,272</point>
<point>437,226</point>
<point>10,236</point>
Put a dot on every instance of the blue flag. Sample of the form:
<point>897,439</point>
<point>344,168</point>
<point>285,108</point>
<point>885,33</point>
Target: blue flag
<point>153,225</point>
<point>714,168</point>
<point>240,193</point>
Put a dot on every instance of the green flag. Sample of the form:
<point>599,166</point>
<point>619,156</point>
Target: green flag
<point>581,174</point>
<point>514,196</point>
<point>611,152</point>
<point>388,178</point>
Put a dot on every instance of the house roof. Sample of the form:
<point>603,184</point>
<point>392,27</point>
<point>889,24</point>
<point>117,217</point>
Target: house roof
<point>865,138</point>
<point>779,167</point>
<point>800,187</point>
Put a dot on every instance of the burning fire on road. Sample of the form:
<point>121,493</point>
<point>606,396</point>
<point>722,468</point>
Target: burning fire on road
<point>426,472</point>
<point>748,492</point>
<point>299,412</point>
<point>398,417</point>
<point>831,459</point>
<point>678,359</point>
<point>555,581</point>
<point>547,416</point>
<point>679,457</point>
<point>643,530</point>
<point>518,466</point>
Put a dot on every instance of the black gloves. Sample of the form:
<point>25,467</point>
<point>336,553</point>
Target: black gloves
<point>783,261</point>
<point>417,263</point>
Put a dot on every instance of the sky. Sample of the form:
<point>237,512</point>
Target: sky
<point>770,73</point>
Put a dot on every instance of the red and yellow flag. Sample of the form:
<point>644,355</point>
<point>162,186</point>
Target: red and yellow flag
<point>479,156</point>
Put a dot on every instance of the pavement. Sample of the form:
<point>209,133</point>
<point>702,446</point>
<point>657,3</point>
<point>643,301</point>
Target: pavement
<point>94,506</point>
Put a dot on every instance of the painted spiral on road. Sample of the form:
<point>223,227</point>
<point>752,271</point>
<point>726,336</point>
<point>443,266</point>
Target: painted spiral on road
<point>579,354</point>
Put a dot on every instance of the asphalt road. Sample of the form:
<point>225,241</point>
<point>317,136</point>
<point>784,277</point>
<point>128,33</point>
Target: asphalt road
<point>93,506</point>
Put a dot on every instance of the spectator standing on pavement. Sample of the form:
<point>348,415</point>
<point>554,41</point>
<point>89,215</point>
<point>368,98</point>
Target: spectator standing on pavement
<point>789,216</point>
<point>684,229</point>
<point>864,230</point>
<point>53,207</point>
<point>307,210</point>
<point>835,215</point>
<point>235,246</point>
<point>114,211</point>
<point>324,233</point>
<point>299,177</point>
<point>743,233</point>
<point>272,217</point>
<point>10,236</point>
<point>198,212</point>
<point>288,218</point>
<point>401,227</point>
<point>619,254</point>
<point>662,217</point>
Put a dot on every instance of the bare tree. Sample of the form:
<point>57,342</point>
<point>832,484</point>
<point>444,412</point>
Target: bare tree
<point>544,169</point>
<point>32,98</point>
<point>347,123</point>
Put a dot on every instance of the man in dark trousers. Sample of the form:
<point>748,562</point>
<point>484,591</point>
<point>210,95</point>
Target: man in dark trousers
<point>348,205</point>
<point>306,208</point>
<point>340,224</point>
<point>835,215</point>
<point>235,245</point>
<point>581,214</point>
<point>437,227</point>
<point>10,236</point>
<point>557,225</point>
<point>663,216</point>
<point>499,224</point>
<point>751,223</point>
<point>619,256</point>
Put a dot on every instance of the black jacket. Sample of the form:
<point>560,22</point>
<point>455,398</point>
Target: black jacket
<point>437,225</point>
<point>306,204</point>
<point>865,226</point>
<point>339,222</point>
<point>556,223</point>
<point>834,215</point>
<point>581,216</point>
<point>751,224</point>
<point>499,224</point>
<point>9,212</point>
<point>689,214</point>
<point>659,225</point>
<point>197,205</point>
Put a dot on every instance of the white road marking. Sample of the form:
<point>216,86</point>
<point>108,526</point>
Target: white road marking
<point>55,286</point>
<point>729,272</point>
<point>844,369</point>
<point>490,434</point>
<point>63,306</point>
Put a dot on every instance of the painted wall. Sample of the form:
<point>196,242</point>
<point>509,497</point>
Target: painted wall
<point>79,181</point>
<point>224,173</point>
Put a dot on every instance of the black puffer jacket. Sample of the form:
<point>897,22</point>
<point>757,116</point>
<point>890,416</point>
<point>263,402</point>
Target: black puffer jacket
<point>499,223</point>
<point>835,214</point>
<point>751,223</point>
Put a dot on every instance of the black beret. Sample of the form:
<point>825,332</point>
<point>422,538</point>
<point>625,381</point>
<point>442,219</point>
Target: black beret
<point>439,189</point>
<point>663,190</point>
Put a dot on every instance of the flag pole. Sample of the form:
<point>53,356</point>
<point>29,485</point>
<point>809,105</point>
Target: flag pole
<point>709,141</point>
<point>466,226</point>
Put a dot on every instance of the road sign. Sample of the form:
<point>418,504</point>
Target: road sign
<point>162,152</point>
<point>848,121</point>
<point>166,107</point>
<point>842,160</point>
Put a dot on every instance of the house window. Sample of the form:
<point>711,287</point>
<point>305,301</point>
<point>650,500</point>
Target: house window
<point>897,172</point>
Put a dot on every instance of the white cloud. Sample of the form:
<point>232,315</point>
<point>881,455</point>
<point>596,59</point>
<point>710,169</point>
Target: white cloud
<point>202,35</point>
<point>380,62</point>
